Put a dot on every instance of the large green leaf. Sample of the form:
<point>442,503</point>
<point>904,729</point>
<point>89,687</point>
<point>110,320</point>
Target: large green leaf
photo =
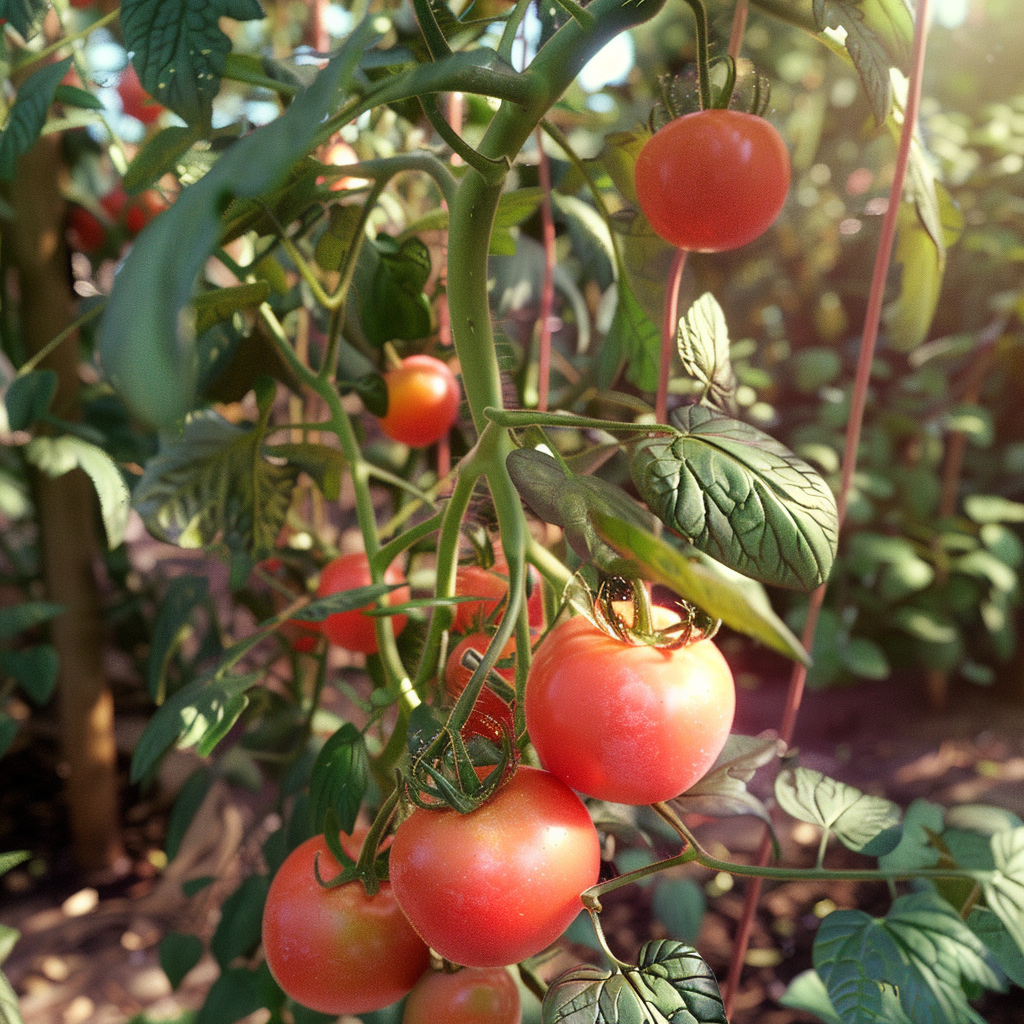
<point>987,926</point>
<point>1004,890</point>
<point>864,823</point>
<point>28,115</point>
<point>878,37</point>
<point>340,777</point>
<point>211,484</point>
<point>741,603</point>
<point>147,337</point>
<point>807,992</point>
<point>178,49</point>
<point>670,982</point>
<point>921,946</point>
<point>740,496</point>
<point>238,931</point>
<point>25,15</point>
<point>56,456</point>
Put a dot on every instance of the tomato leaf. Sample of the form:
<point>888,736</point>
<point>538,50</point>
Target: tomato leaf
<point>238,931</point>
<point>670,982</point>
<point>1004,889</point>
<point>25,615</point>
<point>634,338</point>
<point>28,397</point>
<point>723,793</point>
<point>183,595</point>
<point>1006,952</point>
<point>188,801</point>
<point>56,456</point>
<point>12,860</point>
<point>340,778</point>
<point>738,601</point>
<point>922,821</point>
<point>178,49</point>
<point>179,953</point>
<point>864,823</point>
<point>703,342</point>
<point>740,496</point>
<point>235,994</point>
<point>220,304</point>
<point>878,37</point>
<point>159,154</point>
<point>921,947</point>
<point>389,281</point>
<point>679,904</point>
<point>807,992</point>
<point>24,15</point>
<point>200,714</point>
<point>28,115</point>
<point>323,463</point>
<point>33,669</point>
<point>343,601</point>
<point>211,484</point>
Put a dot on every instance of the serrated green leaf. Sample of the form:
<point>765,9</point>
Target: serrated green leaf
<point>670,982</point>
<point>28,113</point>
<point>200,714</point>
<point>211,484</point>
<point>723,790</point>
<point>703,342</point>
<point>238,931</point>
<point>807,992</point>
<point>178,955</point>
<point>344,601</point>
<point>741,497</point>
<point>740,602</point>
<point>340,777</point>
<point>29,397</point>
<point>19,617</point>
<point>864,823</point>
<point>878,37</point>
<point>178,49</point>
<point>34,670</point>
<point>146,345</point>
<point>56,456</point>
<point>1004,889</point>
<point>25,15</point>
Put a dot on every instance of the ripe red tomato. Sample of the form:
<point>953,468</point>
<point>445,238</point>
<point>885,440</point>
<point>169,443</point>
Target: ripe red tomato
<point>501,883</point>
<point>337,950</point>
<point>712,180</point>
<point>141,209</point>
<point>423,401</point>
<point>628,724</point>
<point>135,101</point>
<point>85,232</point>
<point>354,630</point>
<point>473,995</point>
<point>491,586</point>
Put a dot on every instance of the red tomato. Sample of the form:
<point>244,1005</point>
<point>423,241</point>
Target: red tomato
<point>142,209</point>
<point>628,724</point>
<point>135,101</point>
<point>337,950</point>
<point>501,883</point>
<point>473,995</point>
<point>712,180</point>
<point>354,630</point>
<point>456,674</point>
<point>85,232</point>
<point>491,586</point>
<point>423,401</point>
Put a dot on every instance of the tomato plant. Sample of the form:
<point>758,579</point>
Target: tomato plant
<point>501,883</point>
<point>457,673</point>
<point>629,723</point>
<point>490,585</point>
<point>713,179</point>
<point>355,630</point>
<point>423,401</point>
<point>135,101</point>
<point>141,209</point>
<point>472,995</point>
<point>85,232</point>
<point>337,950</point>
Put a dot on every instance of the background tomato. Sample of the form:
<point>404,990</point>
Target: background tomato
<point>85,232</point>
<point>490,715</point>
<point>337,950</point>
<point>473,995</point>
<point>354,630</point>
<point>501,883</point>
<point>491,586</point>
<point>135,101</point>
<point>712,180</point>
<point>628,724</point>
<point>423,401</point>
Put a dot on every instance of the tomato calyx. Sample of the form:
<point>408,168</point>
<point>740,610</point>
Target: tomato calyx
<point>371,866</point>
<point>622,609</point>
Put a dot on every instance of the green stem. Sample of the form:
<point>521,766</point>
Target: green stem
<point>437,45</point>
<point>700,16</point>
<point>30,364</point>
<point>512,418</point>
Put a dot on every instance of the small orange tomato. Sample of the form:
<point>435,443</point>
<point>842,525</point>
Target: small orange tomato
<point>423,401</point>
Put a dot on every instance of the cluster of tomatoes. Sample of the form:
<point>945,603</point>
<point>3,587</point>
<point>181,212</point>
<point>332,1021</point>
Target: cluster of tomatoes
<point>608,719</point>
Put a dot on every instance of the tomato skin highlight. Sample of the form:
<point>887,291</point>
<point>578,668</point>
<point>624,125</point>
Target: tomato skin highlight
<point>712,180</point>
<point>501,883</point>
<point>423,401</point>
<point>337,950</point>
<point>354,630</point>
<point>473,995</point>
<point>623,723</point>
